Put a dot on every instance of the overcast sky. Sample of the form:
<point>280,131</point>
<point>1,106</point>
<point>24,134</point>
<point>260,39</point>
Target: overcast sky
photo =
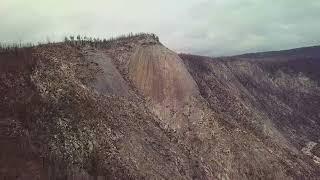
<point>205,27</point>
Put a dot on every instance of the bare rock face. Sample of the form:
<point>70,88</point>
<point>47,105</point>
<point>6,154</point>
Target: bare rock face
<point>133,109</point>
<point>160,75</point>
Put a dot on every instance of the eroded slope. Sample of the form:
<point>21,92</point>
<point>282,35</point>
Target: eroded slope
<point>136,110</point>
<point>276,99</point>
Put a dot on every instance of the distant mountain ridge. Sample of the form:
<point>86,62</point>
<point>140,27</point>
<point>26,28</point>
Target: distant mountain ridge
<point>308,52</point>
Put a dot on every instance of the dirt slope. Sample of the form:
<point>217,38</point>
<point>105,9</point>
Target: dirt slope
<point>107,80</point>
<point>278,99</point>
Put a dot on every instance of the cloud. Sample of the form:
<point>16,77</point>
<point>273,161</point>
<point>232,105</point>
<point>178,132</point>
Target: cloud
<point>215,27</point>
<point>238,26</point>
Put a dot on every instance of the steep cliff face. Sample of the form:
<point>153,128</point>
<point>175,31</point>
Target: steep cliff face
<point>160,74</point>
<point>136,110</point>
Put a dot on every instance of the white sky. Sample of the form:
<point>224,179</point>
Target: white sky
<point>206,27</point>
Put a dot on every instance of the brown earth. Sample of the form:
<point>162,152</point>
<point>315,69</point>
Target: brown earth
<point>137,110</point>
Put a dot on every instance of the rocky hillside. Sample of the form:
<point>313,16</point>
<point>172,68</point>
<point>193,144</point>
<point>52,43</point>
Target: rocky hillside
<point>133,109</point>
